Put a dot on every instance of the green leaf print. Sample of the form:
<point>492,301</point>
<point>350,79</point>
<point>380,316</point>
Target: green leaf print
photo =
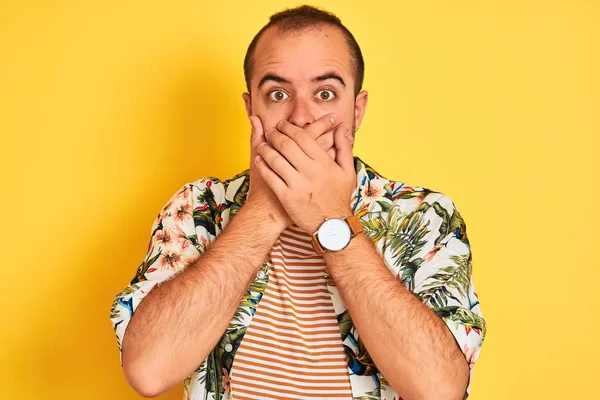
<point>406,235</point>
<point>462,316</point>
<point>375,228</point>
<point>455,277</point>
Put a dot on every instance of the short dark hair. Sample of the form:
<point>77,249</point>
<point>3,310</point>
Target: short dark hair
<point>305,17</point>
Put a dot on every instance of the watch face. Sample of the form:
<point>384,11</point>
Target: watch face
<point>334,234</point>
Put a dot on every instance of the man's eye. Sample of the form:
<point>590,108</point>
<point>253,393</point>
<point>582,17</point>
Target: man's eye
<point>278,95</point>
<point>325,95</point>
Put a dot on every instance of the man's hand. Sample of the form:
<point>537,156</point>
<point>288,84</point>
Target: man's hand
<point>309,184</point>
<point>322,131</point>
<point>259,192</point>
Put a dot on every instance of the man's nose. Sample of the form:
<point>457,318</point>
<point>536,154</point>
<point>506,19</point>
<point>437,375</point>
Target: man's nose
<point>301,114</point>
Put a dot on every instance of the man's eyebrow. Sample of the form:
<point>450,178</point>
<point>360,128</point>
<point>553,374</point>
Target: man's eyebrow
<point>330,75</point>
<point>272,77</point>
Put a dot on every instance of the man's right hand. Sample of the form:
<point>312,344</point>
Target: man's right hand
<point>259,193</point>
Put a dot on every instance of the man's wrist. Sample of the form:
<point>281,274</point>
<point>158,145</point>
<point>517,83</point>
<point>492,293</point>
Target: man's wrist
<point>264,218</point>
<point>316,224</point>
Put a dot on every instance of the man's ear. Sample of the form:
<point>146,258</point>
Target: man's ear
<point>360,106</point>
<point>247,103</point>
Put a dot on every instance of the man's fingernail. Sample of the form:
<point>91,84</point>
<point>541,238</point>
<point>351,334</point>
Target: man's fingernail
<point>332,119</point>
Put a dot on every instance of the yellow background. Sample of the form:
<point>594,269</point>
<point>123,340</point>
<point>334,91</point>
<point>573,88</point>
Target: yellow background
<point>108,107</point>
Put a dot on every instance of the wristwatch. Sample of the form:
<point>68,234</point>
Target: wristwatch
<point>334,234</point>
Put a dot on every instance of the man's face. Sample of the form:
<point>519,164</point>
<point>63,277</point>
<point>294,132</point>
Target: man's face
<point>302,76</point>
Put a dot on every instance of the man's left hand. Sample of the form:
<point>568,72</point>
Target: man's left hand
<point>309,183</point>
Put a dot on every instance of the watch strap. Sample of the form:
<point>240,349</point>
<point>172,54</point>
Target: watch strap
<point>355,225</point>
<point>316,245</point>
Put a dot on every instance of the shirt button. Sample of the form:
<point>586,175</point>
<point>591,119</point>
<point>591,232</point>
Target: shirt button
<point>228,347</point>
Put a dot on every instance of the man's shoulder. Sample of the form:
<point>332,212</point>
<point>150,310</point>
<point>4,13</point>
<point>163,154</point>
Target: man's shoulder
<point>224,192</point>
<point>379,193</point>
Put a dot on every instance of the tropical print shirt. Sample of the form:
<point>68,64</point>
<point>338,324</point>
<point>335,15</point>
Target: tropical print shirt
<point>418,232</point>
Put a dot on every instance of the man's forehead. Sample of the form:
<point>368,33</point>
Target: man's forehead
<point>304,53</point>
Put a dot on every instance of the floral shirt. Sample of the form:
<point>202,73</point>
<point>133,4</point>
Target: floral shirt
<point>418,232</point>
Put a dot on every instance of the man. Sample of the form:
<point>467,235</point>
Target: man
<point>308,275</point>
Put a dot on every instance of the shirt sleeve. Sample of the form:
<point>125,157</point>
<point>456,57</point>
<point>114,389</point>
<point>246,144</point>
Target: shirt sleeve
<point>431,247</point>
<point>175,243</point>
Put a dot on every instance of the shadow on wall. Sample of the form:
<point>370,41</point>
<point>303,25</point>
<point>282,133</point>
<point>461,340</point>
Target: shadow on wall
<point>76,348</point>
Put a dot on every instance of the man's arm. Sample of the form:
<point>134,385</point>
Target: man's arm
<point>409,343</point>
<point>180,321</point>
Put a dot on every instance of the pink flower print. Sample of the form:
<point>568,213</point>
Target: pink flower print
<point>163,238</point>
<point>225,380</point>
<point>431,253</point>
<point>419,198</point>
<point>469,355</point>
<point>164,213</point>
<point>184,194</point>
<point>182,211</point>
<point>373,190</point>
<point>171,259</point>
<point>180,239</point>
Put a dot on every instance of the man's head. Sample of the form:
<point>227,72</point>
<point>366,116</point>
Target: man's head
<point>303,65</point>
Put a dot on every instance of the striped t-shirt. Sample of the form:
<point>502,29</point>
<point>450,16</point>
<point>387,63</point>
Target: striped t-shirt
<point>292,348</point>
